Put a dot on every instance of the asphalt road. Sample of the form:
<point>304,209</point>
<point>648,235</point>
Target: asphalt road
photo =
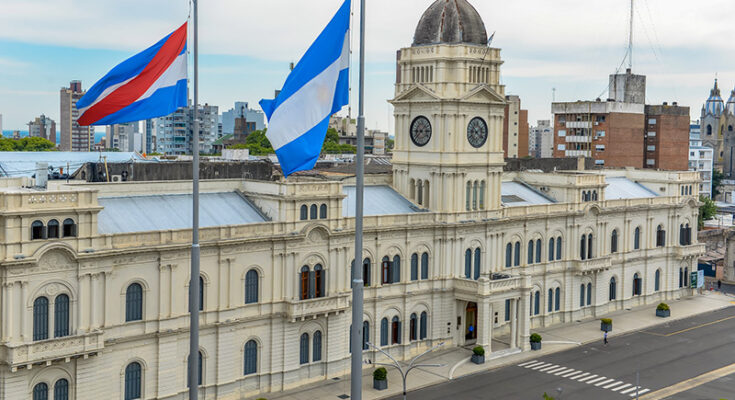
<point>664,355</point>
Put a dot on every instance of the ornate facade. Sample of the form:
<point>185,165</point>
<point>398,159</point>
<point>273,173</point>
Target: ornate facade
<point>95,276</point>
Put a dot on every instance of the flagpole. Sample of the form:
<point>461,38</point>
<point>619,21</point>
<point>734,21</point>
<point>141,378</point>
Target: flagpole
<point>357,282</point>
<point>193,364</point>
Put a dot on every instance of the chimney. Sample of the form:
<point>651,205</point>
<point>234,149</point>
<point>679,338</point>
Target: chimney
<point>41,175</point>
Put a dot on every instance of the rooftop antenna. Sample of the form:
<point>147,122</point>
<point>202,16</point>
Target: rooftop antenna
<point>630,38</point>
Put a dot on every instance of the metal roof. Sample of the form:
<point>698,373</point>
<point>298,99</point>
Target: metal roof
<point>173,211</point>
<point>378,200</point>
<point>515,194</point>
<point>623,188</point>
<point>23,163</point>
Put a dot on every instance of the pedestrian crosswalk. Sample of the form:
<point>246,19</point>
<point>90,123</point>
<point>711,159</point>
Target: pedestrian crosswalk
<point>599,381</point>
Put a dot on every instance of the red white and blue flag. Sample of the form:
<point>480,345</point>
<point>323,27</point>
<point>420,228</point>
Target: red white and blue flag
<point>150,84</point>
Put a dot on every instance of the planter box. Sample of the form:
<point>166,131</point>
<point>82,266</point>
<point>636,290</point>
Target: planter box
<point>605,327</point>
<point>478,359</point>
<point>663,313</point>
<point>380,385</point>
<point>535,345</point>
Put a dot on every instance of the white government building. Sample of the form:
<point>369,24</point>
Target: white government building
<point>95,276</point>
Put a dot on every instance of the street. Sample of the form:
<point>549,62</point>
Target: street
<point>664,355</point>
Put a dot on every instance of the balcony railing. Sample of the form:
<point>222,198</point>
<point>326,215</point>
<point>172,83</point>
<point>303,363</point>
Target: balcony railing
<point>485,287</point>
<point>16,355</point>
<point>313,307</point>
<point>582,267</point>
<point>694,250</point>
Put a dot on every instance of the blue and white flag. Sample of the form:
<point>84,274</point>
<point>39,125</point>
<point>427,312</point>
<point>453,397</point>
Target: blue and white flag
<point>317,88</point>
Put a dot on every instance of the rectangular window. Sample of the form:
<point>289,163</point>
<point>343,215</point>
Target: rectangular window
<point>562,147</point>
<point>562,132</point>
<point>600,147</point>
<point>599,162</point>
<point>650,162</point>
<point>507,310</point>
<point>652,121</point>
<point>651,148</point>
<point>600,134</point>
<point>651,134</point>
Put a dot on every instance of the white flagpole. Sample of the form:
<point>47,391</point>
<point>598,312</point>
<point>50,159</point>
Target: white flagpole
<point>194,278</point>
<point>357,282</point>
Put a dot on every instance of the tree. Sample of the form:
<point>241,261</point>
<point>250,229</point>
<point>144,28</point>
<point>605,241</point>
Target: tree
<point>717,177</point>
<point>26,144</point>
<point>707,210</point>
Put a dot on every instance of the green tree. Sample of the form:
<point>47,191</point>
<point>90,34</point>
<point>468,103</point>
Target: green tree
<point>717,177</point>
<point>707,210</point>
<point>26,144</point>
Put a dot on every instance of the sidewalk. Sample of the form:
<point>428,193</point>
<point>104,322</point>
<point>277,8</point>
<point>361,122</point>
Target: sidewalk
<point>555,339</point>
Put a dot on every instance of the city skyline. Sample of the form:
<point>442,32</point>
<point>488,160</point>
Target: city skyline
<point>690,50</point>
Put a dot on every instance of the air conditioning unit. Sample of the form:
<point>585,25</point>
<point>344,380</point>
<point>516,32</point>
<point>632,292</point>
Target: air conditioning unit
<point>116,178</point>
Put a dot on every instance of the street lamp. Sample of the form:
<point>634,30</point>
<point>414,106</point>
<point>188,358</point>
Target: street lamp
<point>411,365</point>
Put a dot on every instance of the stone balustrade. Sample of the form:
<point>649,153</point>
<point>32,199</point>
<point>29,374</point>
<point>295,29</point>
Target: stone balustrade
<point>16,355</point>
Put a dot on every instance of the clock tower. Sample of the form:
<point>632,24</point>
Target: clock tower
<point>449,106</point>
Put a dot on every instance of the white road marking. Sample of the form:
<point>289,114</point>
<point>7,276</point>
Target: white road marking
<point>577,377</point>
<point>630,389</point>
<point>587,378</point>
<point>541,366</point>
<point>613,384</point>
<point>563,371</point>
<point>602,382</point>
<point>641,391</point>
<point>620,387</point>
<point>548,368</point>
<point>528,363</point>
<point>605,382</point>
<point>553,370</point>
<point>568,374</point>
<point>595,380</point>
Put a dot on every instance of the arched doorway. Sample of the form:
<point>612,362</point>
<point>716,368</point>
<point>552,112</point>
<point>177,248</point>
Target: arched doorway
<point>471,325</point>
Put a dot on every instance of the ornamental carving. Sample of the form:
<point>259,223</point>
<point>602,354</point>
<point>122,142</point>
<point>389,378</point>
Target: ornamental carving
<point>52,198</point>
<point>54,260</point>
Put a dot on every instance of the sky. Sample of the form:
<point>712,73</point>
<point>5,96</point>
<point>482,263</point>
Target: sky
<point>246,46</point>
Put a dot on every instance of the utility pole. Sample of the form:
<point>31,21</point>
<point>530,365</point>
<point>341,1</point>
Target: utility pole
<point>193,375</point>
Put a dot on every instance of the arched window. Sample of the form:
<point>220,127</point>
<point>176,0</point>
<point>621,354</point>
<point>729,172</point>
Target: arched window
<point>40,391</point>
<point>421,192</point>
<point>423,326</point>
<point>660,236</point>
<point>637,283</point>
<point>468,196</point>
<point>413,327</point>
<point>589,246</point>
<point>550,300</point>
<point>366,271</point>
<point>681,277</point>
<point>201,294</point>
<point>468,263</point>
<point>517,258</point>
<point>686,276</point>
<point>551,249</point>
<point>365,334</point>
<point>323,211</point>
<point>53,229</point>
<point>319,280</point>
<point>70,228</point>
<point>637,238</point>
<point>304,212</point>
<point>530,252</point>
<point>199,370</point>
<point>614,241</point>
<point>589,294</point>
<point>304,349</point>
<point>414,267</point>
<point>537,303</point>
<point>396,269</point>
<point>251,287</point>
<point>508,255</point>
<point>688,231</point>
<point>594,195</point>
<point>557,299</point>
<point>305,289</point>
<point>681,235</point>
<point>558,248</point>
<point>133,377</point>
<point>317,346</point>
<point>581,295</point>
<point>657,283</point>
<point>134,302</point>
<point>37,230</point>
<point>613,289</point>
<point>425,266</point>
<point>709,130</point>
<point>482,195</point>
<point>478,262</point>
<point>538,250</point>
<point>251,357</point>
<point>40,318</point>
<point>395,328</point>
<point>313,212</point>
<point>384,332</point>
<point>583,248</point>
<point>61,316</point>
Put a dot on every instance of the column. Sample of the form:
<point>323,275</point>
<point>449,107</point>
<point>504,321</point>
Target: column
<point>524,321</point>
<point>514,315</point>
<point>162,291</point>
<point>82,316</point>
<point>8,313</point>
<point>93,300</point>
<point>22,309</point>
<point>484,324</point>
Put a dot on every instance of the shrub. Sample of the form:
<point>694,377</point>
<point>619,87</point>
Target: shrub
<point>380,374</point>
<point>547,397</point>
<point>606,321</point>
<point>478,350</point>
<point>535,338</point>
<point>261,398</point>
<point>663,307</point>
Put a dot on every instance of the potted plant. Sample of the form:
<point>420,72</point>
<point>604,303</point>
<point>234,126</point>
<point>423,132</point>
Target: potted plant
<point>606,324</point>
<point>380,379</point>
<point>535,341</point>
<point>478,355</point>
<point>663,310</point>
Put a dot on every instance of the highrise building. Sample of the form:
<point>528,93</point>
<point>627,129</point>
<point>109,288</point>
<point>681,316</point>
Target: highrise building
<point>150,136</point>
<point>73,136</point>
<point>174,132</point>
<point>541,140</point>
<point>124,137</point>
<point>44,127</point>
<point>515,128</point>
<point>242,110</point>
<point>700,159</point>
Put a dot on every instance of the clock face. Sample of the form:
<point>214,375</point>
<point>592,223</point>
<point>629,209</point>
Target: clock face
<point>420,131</point>
<point>477,132</point>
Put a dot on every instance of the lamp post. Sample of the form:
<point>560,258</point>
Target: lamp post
<point>411,365</point>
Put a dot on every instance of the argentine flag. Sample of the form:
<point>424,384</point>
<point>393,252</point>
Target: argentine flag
<point>317,88</point>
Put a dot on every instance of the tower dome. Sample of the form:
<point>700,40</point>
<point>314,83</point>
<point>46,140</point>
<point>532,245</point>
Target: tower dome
<point>714,105</point>
<point>730,106</point>
<point>450,22</point>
